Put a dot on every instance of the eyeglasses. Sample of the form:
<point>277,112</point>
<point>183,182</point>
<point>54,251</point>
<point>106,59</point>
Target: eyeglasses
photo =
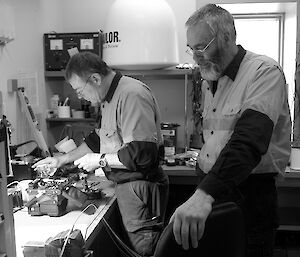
<point>192,51</point>
<point>79,92</point>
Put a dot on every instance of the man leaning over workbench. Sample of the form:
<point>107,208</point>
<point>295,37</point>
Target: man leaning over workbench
<point>128,146</point>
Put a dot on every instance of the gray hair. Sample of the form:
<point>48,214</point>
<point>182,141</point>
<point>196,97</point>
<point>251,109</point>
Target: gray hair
<point>85,63</point>
<point>219,20</point>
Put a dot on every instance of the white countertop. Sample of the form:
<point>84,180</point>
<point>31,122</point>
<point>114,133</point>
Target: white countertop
<point>39,228</point>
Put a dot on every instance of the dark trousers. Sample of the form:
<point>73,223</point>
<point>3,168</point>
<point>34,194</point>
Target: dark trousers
<point>257,197</point>
<point>142,206</point>
<point>260,207</point>
<point>261,243</point>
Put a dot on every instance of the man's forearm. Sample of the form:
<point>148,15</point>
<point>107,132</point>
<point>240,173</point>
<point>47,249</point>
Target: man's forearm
<point>77,153</point>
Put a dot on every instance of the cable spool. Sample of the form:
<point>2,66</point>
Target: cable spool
<point>140,34</point>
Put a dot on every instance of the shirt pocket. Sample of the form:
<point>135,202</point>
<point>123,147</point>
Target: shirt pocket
<point>110,141</point>
<point>231,113</point>
<point>231,110</point>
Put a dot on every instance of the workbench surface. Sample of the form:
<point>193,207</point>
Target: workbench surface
<point>40,228</point>
<point>31,230</point>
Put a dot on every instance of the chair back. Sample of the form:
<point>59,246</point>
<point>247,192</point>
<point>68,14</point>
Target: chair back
<point>124,250</point>
<point>224,236</point>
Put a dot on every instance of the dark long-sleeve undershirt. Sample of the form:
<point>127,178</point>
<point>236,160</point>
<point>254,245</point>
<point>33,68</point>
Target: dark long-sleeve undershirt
<point>141,156</point>
<point>137,156</point>
<point>248,143</point>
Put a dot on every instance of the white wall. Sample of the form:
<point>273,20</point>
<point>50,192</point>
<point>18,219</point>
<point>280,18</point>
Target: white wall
<point>81,16</point>
<point>24,56</point>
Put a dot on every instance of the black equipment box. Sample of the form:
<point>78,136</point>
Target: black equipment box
<point>56,46</point>
<point>50,196</point>
<point>21,172</point>
<point>46,198</point>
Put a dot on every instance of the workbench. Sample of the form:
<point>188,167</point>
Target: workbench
<point>183,181</point>
<point>35,230</point>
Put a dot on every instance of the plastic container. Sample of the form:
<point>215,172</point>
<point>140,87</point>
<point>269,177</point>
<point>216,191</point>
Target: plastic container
<point>54,104</point>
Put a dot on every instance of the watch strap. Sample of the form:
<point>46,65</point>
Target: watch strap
<point>102,161</point>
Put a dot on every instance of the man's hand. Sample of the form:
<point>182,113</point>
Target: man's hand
<point>51,162</point>
<point>47,167</point>
<point>189,219</point>
<point>89,162</point>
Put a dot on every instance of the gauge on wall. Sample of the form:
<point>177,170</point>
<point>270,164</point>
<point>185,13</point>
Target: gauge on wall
<point>56,44</point>
<point>86,44</point>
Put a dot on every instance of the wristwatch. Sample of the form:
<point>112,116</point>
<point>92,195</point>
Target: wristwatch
<point>102,161</point>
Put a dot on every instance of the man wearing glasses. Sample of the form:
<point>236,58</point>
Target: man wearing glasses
<point>128,146</point>
<point>246,131</point>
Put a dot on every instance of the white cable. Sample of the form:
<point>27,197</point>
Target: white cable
<point>85,234</point>
<point>14,182</point>
<point>71,230</point>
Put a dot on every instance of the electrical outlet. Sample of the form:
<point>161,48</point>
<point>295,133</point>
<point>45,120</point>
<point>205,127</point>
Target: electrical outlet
<point>12,85</point>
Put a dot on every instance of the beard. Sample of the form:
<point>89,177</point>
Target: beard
<point>211,69</point>
<point>210,72</point>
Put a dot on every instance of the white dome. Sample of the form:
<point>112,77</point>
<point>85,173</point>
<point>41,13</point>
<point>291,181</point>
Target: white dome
<point>140,34</point>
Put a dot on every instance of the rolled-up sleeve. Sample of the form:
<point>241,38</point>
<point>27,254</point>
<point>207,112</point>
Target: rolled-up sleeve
<point>93,141</point>
<point>138,112</point>
<point>267,92</point>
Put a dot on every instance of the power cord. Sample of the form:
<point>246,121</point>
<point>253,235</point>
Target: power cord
<point>72,228</point>
<point>85,234</point>
<point>14,182</point>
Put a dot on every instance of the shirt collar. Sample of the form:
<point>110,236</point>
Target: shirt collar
<point>233,67</point>
<point>113,86</point>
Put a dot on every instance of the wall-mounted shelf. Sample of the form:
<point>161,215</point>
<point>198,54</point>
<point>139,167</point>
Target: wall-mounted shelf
<point>159,74</point>
<point>5,40</point>
<point>72,127</point>
<point>70,120</point>
<point>54,74</point>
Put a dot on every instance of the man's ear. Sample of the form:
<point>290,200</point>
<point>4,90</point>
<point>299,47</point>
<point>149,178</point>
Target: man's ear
<point>96,78</point>
<point>226,37</point>
<point>226,40</point>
